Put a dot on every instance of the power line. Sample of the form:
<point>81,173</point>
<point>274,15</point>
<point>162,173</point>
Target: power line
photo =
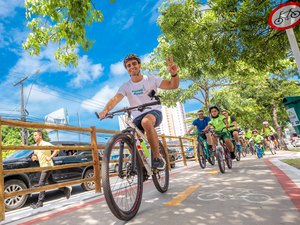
<point>76,95</point>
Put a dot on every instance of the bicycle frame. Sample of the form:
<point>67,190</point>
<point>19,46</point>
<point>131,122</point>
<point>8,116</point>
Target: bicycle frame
<point>137,134</point>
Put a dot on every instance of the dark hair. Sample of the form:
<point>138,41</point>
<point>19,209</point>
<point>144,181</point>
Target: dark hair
<point>214,107</point>
<point>200,111</point>
<point>131,57</point>
<point>38,131</point>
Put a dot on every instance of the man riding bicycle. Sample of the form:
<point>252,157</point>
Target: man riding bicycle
<point>219,123</point>
<point>269,133</point>
<point>201,122</point>
<point>234,129</point>
<point>136,90</point>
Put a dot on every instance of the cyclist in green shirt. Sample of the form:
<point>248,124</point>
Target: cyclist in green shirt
<point>247,134</point>
<point>269,133</point>
<point>219,123</point>
<point>257,139</point>
<point>234,129</point>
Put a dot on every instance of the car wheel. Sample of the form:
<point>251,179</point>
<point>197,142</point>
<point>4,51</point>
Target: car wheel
<point>172,160</point>
<point>88,186</point>
<point>17,201</point>
<point>116,168</point>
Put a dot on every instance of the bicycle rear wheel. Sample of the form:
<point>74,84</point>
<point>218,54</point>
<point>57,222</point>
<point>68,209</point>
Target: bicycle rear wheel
<point>245,150</point>
<point>220,159</point>
<point>211,159</point>
<point>272,147</point>
<point>201,155</point>
<point>123,189</point>
<point>161,177</point>
<point>237,153</point>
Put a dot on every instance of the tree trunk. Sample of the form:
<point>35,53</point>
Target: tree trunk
<point>277,127</point>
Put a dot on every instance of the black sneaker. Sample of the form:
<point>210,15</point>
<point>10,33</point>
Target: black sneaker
<point>36,205</point>
<point>232,155</point>
<point>67,192</point>
<point>158,164</point>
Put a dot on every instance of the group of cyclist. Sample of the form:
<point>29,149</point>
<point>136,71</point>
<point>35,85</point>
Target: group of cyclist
<point>228,129</point>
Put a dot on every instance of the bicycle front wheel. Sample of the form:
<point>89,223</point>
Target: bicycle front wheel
<point>123,188</point>
<point>201,155</point>
<point>161,177</point>
<point>220,159</point>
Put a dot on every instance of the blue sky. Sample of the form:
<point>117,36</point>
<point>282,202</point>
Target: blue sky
<point>128,27</point>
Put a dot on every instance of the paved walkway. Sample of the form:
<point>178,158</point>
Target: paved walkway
<point>253,192</point>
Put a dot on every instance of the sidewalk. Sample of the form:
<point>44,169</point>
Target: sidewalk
<point>89,203</point>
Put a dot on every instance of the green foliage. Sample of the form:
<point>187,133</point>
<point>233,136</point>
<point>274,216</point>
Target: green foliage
<point>11,137</point>
<point>253,101</point>
<point>229,55</point>
<point>63,22</point>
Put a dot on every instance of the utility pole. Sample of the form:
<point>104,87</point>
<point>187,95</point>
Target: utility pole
<point>79,124</point>
<point>23,114</point>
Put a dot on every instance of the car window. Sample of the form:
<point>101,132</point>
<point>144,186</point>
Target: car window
<point>19,154</point>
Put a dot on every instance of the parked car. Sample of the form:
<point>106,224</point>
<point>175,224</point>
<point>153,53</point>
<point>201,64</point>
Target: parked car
<point>114,166</point>
<point>172,156</point>
<point>189,152</point>
<point>296,142</point>
<point>22,159</point>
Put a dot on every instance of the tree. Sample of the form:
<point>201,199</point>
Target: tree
<point>259,99</point>
<point>243,26</point>
<point>63,22</point>
<point>189,35</point>
<point>11,137</point>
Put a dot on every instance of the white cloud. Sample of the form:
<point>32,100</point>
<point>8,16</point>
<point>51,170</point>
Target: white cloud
<point>129,23</point>
<point>8,7</point>
<point>154,11</point>
<point>85,72</point>
<point>38,94</point>
<point>102,96</point>
<point>118,69</point>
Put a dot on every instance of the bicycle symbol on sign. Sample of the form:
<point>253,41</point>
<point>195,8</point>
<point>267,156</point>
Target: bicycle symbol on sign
<point>286,15</point>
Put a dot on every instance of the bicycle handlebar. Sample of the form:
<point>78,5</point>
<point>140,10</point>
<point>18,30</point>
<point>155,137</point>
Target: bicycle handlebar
<point>140,108</point>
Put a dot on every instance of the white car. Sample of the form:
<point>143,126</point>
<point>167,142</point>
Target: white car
<point>296,143</point>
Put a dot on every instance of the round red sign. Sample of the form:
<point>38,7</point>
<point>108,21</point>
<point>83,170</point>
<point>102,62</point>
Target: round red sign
<point>285,16</point>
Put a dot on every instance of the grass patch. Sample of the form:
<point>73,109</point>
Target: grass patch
<point>294,149</point>
<point>293,162</point>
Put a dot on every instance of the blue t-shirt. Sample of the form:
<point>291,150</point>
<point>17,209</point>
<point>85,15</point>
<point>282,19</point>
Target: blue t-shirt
<point>201,124</point>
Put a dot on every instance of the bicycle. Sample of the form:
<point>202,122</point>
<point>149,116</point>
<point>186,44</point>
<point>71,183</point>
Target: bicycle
<point>123,190</point>
<point>270,143</point>
<point>245,147</point>
<point>222,152</point>
<point>236,151</point>
<point>259,149</point>
<point>203,151</point>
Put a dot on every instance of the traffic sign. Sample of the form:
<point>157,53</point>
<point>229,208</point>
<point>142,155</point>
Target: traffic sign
<point>285,16</point>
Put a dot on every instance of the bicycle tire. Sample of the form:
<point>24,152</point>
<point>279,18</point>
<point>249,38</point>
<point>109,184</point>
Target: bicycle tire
<point>212,159</point>
<point>272,148</point>
<point>237,153</point>
<point>220,159</point>
<point>123,194</point>
<point>245,150</point>
<point>228,159</point>
<point>161,177</point>
<point>201,155</point>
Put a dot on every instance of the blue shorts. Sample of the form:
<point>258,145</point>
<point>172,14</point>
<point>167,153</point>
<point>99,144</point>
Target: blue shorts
<point>138,120</point>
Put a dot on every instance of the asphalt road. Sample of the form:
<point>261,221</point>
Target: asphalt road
<point>250,193</point>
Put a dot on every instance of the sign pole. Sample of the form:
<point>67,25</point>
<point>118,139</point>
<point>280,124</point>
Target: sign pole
<point>293,42</point>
